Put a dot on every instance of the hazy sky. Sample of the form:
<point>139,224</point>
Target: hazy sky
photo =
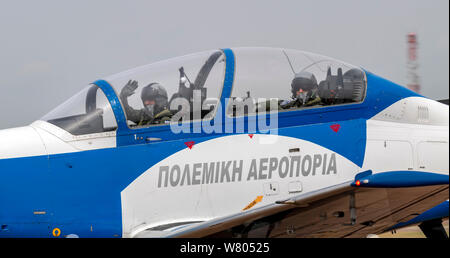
<point>49,50</point>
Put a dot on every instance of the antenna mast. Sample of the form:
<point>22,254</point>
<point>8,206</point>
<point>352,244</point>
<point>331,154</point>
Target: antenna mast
<point>412,65</point>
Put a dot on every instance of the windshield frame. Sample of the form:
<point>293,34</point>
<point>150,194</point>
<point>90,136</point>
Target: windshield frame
<point>87,113</point>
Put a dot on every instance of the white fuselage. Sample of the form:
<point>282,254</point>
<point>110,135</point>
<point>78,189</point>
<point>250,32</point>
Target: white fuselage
<point>230,174</point>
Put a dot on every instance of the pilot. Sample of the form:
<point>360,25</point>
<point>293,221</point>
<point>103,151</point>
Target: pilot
<point>155,101</point>
<point>304,90</point>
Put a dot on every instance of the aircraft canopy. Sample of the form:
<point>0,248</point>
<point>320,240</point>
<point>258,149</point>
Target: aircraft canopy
<point>295,79</point>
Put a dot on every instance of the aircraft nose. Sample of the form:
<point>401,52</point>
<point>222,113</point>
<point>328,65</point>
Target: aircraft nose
<point>20,142</point>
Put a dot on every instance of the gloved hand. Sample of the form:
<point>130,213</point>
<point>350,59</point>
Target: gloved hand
<point>129,89</point>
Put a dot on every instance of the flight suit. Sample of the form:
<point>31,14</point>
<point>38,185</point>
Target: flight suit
<point>141,118</point>
<point>297,103</point>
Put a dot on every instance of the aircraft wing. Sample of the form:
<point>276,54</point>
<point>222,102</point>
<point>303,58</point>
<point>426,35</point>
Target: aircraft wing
<point>207,228</point>
<point>345,210</point>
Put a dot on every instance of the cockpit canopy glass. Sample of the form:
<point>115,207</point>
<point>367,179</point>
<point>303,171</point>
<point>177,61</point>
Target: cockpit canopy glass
<point>265,79</point>
<point>153,94</point>
<point>268,79</point>
<point>87,112</point>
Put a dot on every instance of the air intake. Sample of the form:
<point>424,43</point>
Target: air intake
<point>422,114</point>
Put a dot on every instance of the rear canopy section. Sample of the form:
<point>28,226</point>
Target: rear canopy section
<point>294,79</point>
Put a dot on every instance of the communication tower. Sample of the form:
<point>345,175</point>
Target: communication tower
<point>413,65</point>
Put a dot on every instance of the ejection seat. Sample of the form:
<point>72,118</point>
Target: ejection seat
<point>342,88</point>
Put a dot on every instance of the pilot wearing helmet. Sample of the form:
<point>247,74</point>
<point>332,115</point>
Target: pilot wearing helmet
<point>304,90</point>
<point>155,101</point>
